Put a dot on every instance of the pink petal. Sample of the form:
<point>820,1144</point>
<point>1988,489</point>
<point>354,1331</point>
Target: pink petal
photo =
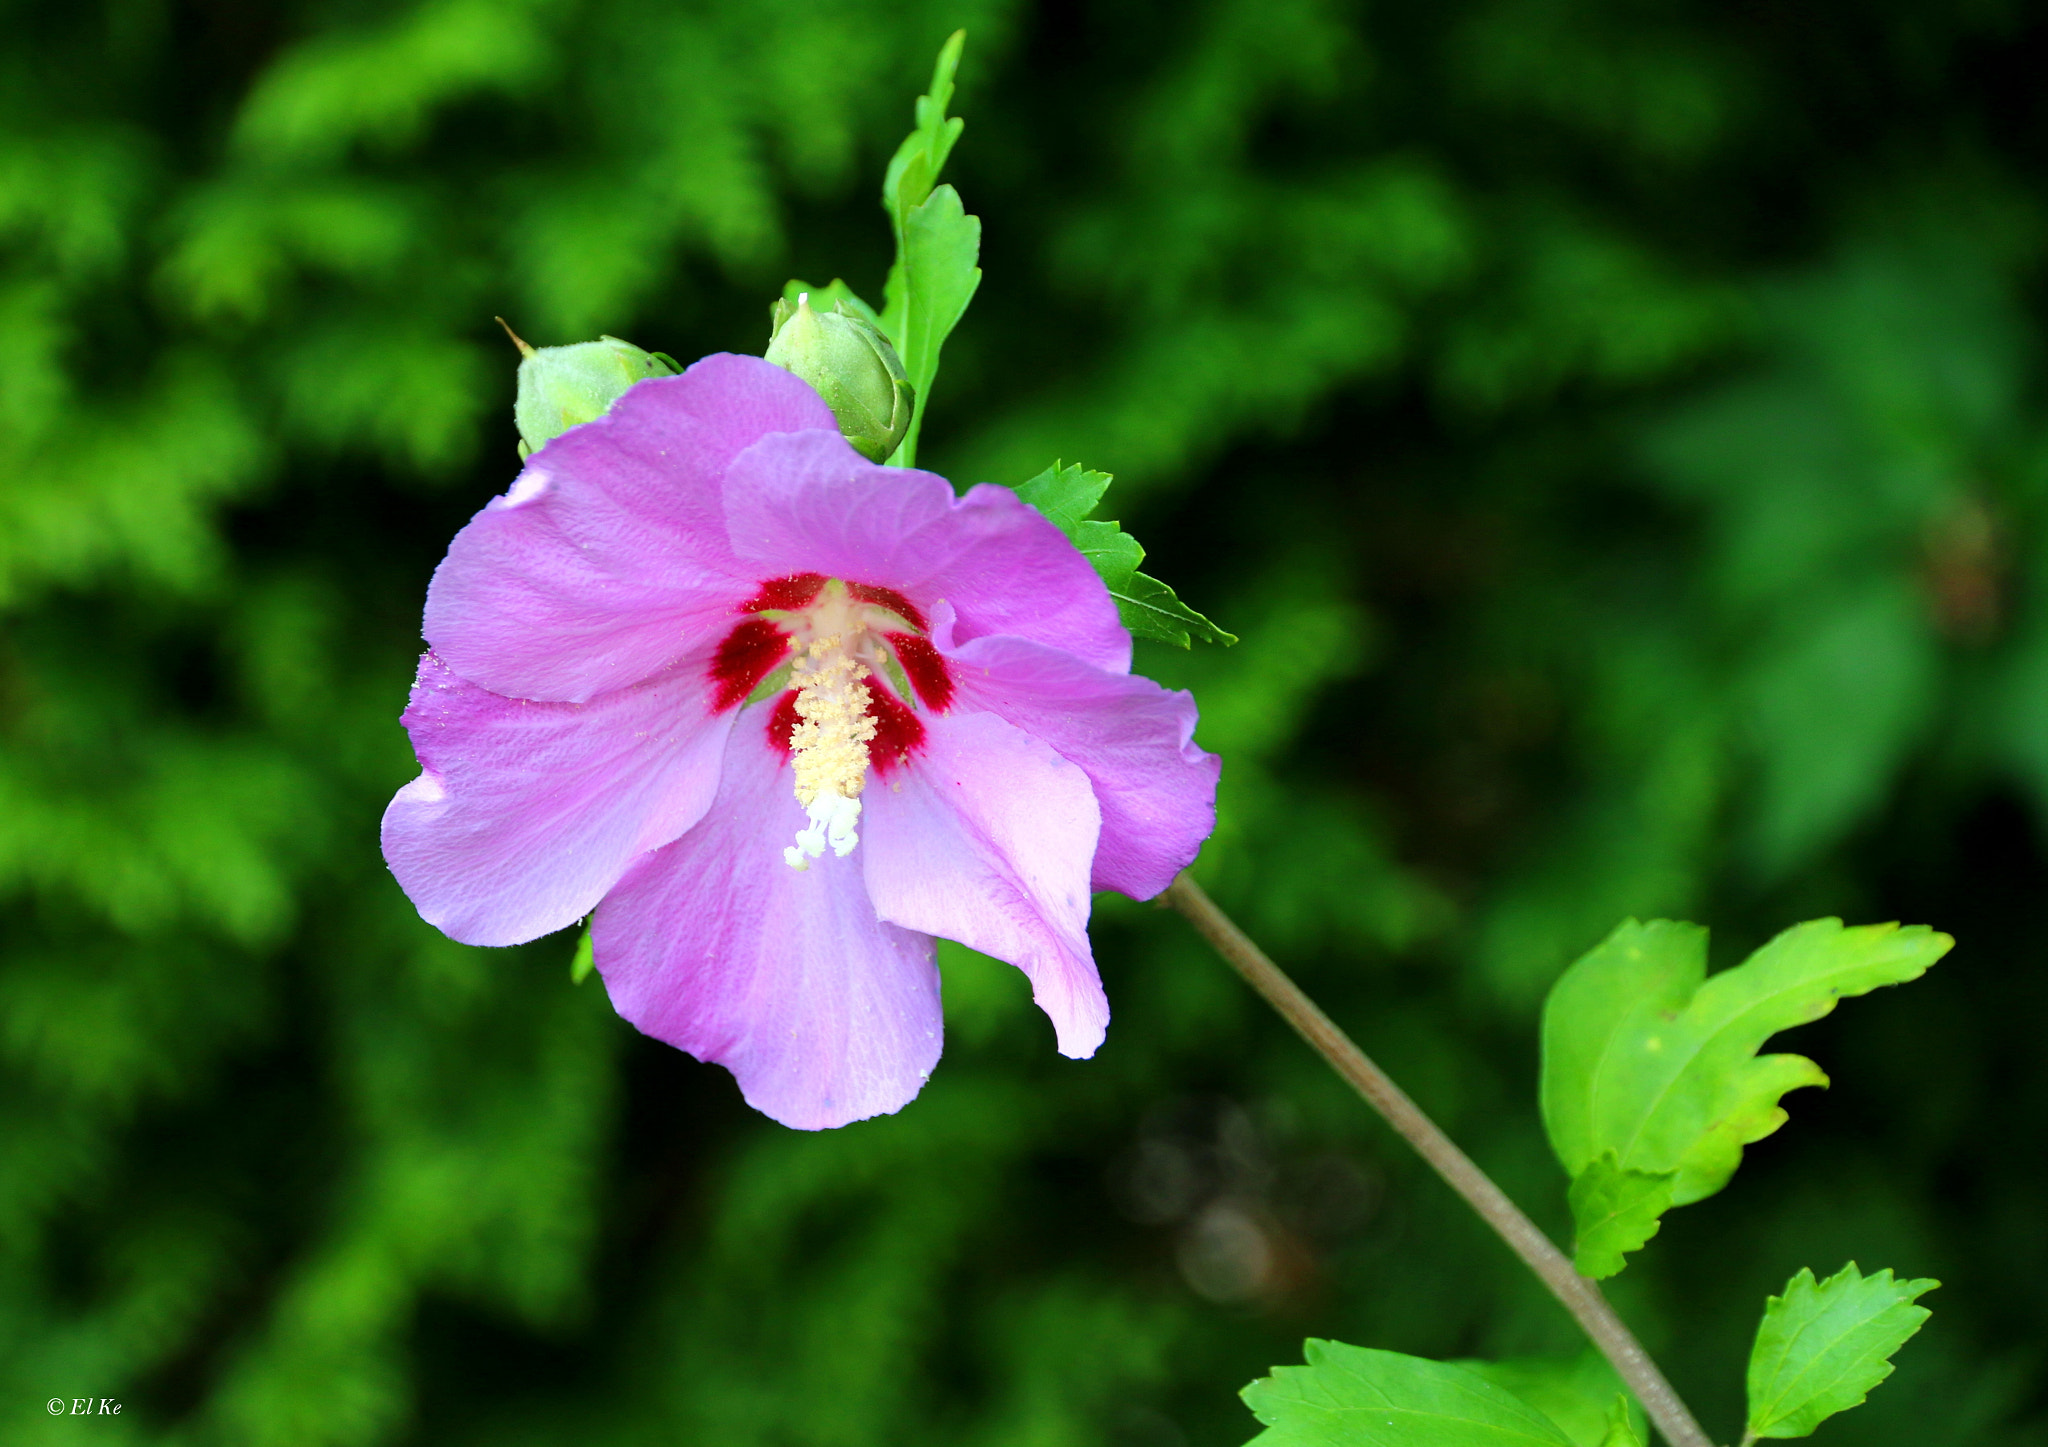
<point>526,813</point>
<point>1134,740</point>
<point>823,1013</point>
<point>607,558</point>
<point>807,502</point>
<point>985,838</point>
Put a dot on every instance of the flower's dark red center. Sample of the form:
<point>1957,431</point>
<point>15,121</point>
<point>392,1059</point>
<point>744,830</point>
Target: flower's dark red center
<point>881,630</point>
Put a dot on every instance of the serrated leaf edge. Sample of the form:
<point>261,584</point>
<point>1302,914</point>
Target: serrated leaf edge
<point>1804,1276</point>
<point>1188,619</point>
<point>1827,1004</point>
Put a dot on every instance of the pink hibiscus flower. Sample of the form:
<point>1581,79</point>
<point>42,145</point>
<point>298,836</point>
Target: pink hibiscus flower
<point>781,716</point>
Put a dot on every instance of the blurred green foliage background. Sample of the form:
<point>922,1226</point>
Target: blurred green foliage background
<point>1615,428</point>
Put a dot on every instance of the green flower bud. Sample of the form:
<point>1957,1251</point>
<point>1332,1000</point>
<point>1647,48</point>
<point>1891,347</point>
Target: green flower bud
<point>563,387</point>
<point>853,367</point>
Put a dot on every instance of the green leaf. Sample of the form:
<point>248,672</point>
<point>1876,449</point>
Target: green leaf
<point>928,290</point>
<point>937,245</point>
<point>915,167</point>
<point>1114,552</point>
<point>583,961</point>
<point>1065,495</point>
<point>1822,1347</point>
<point>1580,1394</point>
<point>1146,606</point>
<point>1646,1057</point>
<point>1150,610</point>
<point>1616,1212</point>
<point>1355,1397</point>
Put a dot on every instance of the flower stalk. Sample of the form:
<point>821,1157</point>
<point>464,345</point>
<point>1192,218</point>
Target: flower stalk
<point>1580,1295</point>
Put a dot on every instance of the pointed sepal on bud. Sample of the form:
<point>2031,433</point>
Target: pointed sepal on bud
<point>846,357</point>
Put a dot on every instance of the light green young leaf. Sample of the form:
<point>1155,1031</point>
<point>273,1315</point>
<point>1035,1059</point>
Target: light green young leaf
<point>915,167</point>
<point>1822,1347</point>
<point>583,961</point>
<point>928,290</point>
<point>1645,1056</point>
<point>937,245</point>
<point>1146,606</point>
<point>1355,1397</point>
<point>1580,1394</point>
<point>1616,1212</point>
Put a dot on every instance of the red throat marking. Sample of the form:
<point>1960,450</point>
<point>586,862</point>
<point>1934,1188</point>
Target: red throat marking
<point>899,733</point>
<point>925,668</point>
<point>785,594</point>
<point>889,598</point>
<point>782,722</point>
<point>748,655</point>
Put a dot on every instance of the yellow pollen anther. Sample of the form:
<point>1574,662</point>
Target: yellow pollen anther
<point>829,748</point>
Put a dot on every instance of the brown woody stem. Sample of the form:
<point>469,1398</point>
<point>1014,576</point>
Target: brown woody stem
<point>1581,1295</point>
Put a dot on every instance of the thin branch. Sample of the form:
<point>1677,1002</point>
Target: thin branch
<point>1580,1295</point>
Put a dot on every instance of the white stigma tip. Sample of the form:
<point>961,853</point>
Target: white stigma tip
<point>832,819</point>
<point>845,813</point>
